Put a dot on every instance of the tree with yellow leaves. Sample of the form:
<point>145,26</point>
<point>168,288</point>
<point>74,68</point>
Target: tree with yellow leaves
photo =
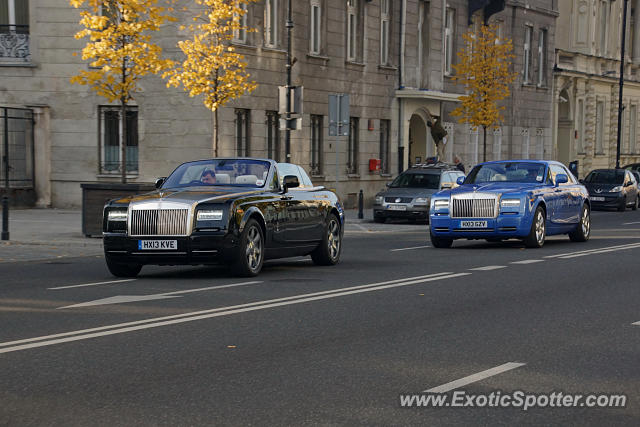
<point>483,69</point>
<point>212,67</point>
<point>120,50</point>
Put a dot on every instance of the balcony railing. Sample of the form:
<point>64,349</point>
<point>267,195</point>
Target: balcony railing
<point>14,43</point>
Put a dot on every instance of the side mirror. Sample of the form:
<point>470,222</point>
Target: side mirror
<point>290,181</point>
<point>628,184</point>
<point>446,185</point>
<point>460,180</point>
<point>160,181</point>
<point>561,179</point>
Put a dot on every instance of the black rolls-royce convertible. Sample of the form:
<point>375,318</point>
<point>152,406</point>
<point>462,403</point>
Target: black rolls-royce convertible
<point>234,211</point>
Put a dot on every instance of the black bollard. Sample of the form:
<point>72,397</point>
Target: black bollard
<point>5,218</point>
<point>360,205</point>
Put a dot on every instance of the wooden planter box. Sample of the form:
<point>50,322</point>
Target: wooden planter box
<point>94,197</point>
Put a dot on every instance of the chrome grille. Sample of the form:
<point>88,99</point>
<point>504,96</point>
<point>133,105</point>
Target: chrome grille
<point>468,207</point>
<point>159,222</point>
<point>402,199</point>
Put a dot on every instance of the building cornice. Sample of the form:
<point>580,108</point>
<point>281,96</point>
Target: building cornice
<point>428,94</point>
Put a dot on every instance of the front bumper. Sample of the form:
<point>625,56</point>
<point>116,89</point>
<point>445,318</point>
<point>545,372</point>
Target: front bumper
<point>199,248</point>
<point>505,226</point>
<point>610,200</point>
<point>411,211</point>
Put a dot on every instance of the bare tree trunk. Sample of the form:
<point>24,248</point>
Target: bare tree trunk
<point>215,133</point>
<point>484,137</point>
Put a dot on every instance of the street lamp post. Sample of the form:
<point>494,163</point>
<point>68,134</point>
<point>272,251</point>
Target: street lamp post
<point>620,106</point>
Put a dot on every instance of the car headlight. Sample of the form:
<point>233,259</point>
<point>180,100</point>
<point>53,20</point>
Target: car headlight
<point>117,215</point>
<point>421,201</point>
<point>209,215</point>
<point>379,200</point>
<point>510,203</point>
<point>440,204</point>
<point>616,189</point>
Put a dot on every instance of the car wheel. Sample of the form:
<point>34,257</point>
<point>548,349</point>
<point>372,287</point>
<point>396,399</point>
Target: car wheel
<point>121,269</point>
<point>440,242</point>
<point>251,253</point>
<point>538,231</point>
<point>635,204</point>
<point>330,248</point>
<point>379,219</point>
<point>583,230</point>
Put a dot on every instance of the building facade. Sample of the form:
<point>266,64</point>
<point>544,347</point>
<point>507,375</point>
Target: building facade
<point>586,95</point>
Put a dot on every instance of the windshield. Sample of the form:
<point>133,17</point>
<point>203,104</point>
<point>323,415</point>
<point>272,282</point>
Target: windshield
<point>507,172</point>
<point>605,177</point>
<point>417,180</point>
<point>216,172</point>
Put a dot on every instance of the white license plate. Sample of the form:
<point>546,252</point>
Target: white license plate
<point>597,199</point>
<point>144,245</point>
<point>473,224</point>
<point>397,207</point>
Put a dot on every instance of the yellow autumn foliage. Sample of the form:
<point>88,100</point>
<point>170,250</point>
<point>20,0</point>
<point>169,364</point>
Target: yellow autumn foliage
<point>483,69</point>
<point>119,48</point>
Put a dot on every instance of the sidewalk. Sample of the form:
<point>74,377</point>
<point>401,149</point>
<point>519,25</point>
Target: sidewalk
<point>36,234</point>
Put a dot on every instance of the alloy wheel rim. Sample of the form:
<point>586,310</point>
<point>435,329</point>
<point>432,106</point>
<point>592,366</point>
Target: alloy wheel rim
<point>333,240</point>
<point>254,248</point>
<point>586,222</point>
<point>540,228</point>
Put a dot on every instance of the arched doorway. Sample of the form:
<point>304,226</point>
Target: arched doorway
<point>420,143</point>
<point>565,127</point>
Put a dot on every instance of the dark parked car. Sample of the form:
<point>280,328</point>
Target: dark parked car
<point>408,196</point>
<point>612,188</point>
<point>236,211</point>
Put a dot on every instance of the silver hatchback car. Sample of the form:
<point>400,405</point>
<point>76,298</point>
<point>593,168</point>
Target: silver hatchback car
<point>409,195</point>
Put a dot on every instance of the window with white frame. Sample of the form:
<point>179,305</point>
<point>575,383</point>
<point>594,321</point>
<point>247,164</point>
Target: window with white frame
<point>385,22</point>
<point>580,121</point>
<point>423,43</point>
<point>449,37</point>
<point>316,144</point>
<point>14,31</point>
<point>526,71</point>
<point>600,127</point>
<point>271,23</point>
<point>111,132</point>
<point>273,135</point>
<point>624,142</point>
<point>542,58</point>
<point>352,29</point>
<point>604,26</point>
<point>240,34</point>
<point>633,128</point>
<point>242,124</point>
<point>315,28</point>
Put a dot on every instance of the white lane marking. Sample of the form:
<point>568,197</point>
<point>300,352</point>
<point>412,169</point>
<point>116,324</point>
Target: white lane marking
<point>592,250</point>
<point>636,246</point>
<point>636,323</point>
<point>91,284</point>
<point>488,268</point>
<point>527,261</point>
<point>474,378</point>
<point>120,299</point>
<point>631,223</point>
<point>408,249</point>
<point>362,228</point>
<point>42,341</point>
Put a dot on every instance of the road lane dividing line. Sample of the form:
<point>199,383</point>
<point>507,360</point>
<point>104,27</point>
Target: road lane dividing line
<point>636,323</point>
<point>591,250</point>
<point>527,261</point>
<point>362,228</point>
<point>631,223</point>
<point>90,284</point>
<point>601,252</point>
<point>122,299</point>
<point>488,268</point>
<point>474,378</point>
<point>178,318</point>
<point>408,249</point>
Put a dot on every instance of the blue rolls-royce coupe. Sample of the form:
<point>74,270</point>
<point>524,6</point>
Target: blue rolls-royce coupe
<point>519,199</point>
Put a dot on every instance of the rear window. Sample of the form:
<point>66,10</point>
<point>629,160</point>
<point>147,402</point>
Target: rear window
<point>417,180</point>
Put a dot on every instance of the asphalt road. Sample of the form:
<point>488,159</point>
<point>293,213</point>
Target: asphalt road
<point>302,344</point>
